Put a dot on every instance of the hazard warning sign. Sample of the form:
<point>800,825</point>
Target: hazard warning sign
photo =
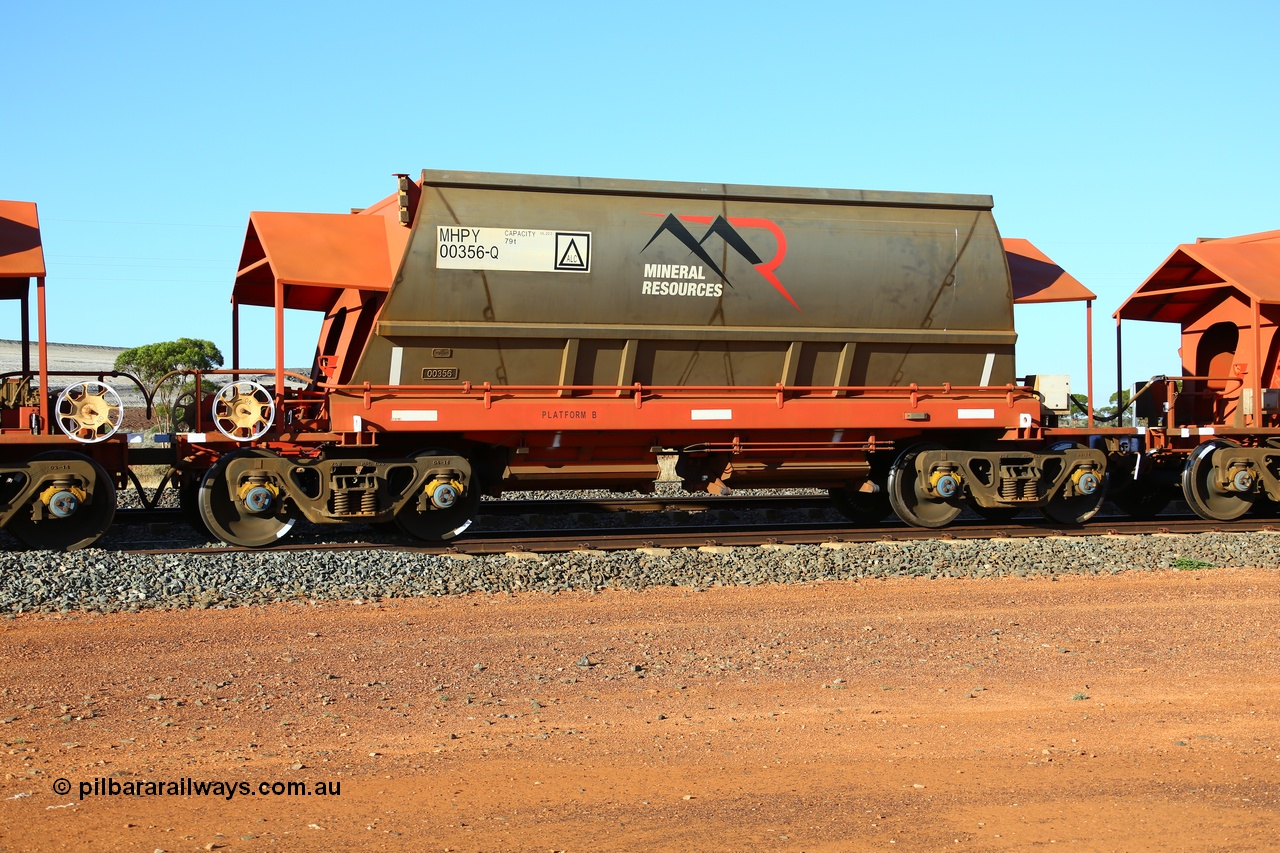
<point>573,251</point>
<point>465,247</point>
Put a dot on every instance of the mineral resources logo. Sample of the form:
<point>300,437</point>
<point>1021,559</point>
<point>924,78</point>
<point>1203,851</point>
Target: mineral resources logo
<point>691,280</point>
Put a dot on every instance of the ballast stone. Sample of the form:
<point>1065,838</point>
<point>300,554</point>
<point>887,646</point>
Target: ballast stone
<point>107,581</point>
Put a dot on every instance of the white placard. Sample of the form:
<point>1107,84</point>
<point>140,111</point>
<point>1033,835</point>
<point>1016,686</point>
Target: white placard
<point>411,415</point>
<point>466,247</point>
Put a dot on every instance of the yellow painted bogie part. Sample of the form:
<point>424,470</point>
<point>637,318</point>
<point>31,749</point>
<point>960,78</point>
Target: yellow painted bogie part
<point>434,485</point>
<point>939,473</point>
<point>47,495</point>
<point>246,486</point>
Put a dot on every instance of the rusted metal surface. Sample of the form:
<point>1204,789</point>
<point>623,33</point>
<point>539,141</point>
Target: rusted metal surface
<point>696,408</point>
<point>529,280</point>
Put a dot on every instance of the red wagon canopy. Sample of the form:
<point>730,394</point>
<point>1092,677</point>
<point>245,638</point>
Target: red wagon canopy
<point>1038,279</point>
<point>1176,292</point>
<point>21,255</point>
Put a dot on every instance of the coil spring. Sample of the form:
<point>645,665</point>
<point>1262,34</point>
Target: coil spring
<point>369,502</point>
<point>1028,488</point>
<point>341,503</point>
<point>1009,488</point>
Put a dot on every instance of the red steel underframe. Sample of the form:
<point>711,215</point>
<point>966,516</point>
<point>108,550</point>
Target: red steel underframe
<point>562,408</point>
<point>778,418</point>
<point>713,411</point>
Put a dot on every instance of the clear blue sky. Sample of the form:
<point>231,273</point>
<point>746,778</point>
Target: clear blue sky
<point>1107,132</point>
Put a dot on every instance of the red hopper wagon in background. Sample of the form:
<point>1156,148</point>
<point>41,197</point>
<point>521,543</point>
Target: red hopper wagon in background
<point>1214,427</point>
<point>57,483</point>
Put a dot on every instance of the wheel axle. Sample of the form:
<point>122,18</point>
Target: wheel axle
<point>258,499</point>
<point>1242,481</point>
<point>63,504</point>
<point>946,484</point>
<point>446,506</point>
<point>444,493</point>
<point>1087,481</point>
<point>918,500</point>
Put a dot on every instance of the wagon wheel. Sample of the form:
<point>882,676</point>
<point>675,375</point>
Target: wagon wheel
<point>1201,491</point>
<point>253,520</point>
<point>910,500</point>
<point>189,504</point>
<point>1142,497</point>
<point>77,521</point>
<point>1076,509</point>
<point>1263,506</point>
<point>243,411</point>
<point>866,508</point>
<point>182,416</point>
<point>89,412</point>
<point>436,524</point>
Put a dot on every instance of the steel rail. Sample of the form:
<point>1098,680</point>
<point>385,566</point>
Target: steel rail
<point>567,506</point>
<point>667,538</point>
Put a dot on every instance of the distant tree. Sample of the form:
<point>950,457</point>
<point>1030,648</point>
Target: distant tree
<point>1119,401</point>
<point>1079,408</point>
<point>152,361</point>
<point>1106,412</point>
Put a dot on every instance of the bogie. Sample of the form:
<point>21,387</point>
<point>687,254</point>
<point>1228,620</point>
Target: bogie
<point>60,501</point>
<point>254,497</point>
<point>929,485</point>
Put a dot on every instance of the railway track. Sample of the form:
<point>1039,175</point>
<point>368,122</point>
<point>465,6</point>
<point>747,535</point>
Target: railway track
<point>567,506</point>
<point>172,566</point>
<point>740,535</point>
<point>820,534</point>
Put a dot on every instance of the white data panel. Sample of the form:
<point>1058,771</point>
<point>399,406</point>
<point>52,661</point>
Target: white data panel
<point>469,247</point>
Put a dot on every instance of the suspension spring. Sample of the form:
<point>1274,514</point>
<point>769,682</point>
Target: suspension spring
<point>1009,488</point>
<point>369,502</point>
<point>341,502</point>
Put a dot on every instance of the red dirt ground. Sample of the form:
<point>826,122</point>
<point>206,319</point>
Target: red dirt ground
<point>1125,712</point>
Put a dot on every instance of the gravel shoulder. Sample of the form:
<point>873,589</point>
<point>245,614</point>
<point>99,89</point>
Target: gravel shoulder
<point>1132,710</point>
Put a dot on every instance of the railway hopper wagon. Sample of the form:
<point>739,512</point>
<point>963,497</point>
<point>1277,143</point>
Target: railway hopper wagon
<point>485,332</point>
<point>61,452</point>
<point>1211,427</point>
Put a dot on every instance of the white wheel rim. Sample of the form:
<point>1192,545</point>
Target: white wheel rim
<point>243,411</point>
<point>89,412</point>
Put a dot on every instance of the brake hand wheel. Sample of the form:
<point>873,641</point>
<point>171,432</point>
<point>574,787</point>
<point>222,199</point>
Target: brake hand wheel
<point>89,412</point>
<point>243,411</point>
